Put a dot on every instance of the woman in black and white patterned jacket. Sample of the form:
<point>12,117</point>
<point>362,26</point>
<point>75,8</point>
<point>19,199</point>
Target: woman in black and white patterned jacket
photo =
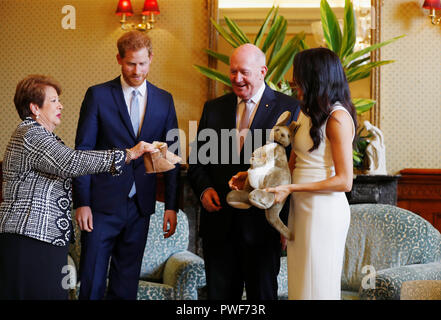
<point>35,221</point>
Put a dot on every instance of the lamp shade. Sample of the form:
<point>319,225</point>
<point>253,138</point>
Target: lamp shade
<point>432,4</point>
<point>124,6</point>
<point>150,6</point>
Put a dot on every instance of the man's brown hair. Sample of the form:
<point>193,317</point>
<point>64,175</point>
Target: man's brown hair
<point>134,41</point>
<point>31,90</point>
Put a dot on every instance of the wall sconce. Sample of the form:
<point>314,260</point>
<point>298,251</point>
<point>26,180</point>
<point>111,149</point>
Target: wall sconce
<point>433,5</point>
<point>124,10</point>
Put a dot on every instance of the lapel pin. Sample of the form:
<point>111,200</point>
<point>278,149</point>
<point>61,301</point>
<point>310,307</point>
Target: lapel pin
<point>266,105</point>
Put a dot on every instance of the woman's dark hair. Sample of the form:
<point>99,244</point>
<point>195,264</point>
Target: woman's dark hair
<point>32,90</point>
<point>320,76</point>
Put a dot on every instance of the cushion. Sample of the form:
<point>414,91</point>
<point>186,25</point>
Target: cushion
<point>154,291</point>
<point>389,281</point>
<point>421,290</point>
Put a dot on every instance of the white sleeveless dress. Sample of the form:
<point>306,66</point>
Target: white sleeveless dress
<point>318,220</point>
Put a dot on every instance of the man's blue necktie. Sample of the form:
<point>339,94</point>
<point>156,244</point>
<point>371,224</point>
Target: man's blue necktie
<point>134,118</point>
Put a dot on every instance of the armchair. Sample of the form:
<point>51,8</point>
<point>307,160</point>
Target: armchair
<point>385,247</point>
<point>168,271</point>
<point>398,244</point>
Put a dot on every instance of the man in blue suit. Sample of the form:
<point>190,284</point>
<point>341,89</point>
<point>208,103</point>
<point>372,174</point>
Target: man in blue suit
<point>240,247</point>
<point>114,212</point>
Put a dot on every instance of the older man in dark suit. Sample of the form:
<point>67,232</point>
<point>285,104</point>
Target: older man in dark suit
<point>240,247</point>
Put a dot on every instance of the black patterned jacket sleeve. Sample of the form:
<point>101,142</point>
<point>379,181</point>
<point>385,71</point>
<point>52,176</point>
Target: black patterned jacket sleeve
<point>37,184</point>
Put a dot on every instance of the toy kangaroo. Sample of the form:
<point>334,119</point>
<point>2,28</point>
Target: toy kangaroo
<point>268,168</point>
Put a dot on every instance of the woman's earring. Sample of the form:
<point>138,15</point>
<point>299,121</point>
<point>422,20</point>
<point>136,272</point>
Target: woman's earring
<point>37,116</point>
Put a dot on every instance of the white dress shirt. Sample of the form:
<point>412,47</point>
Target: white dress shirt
<point>255,102</point>
<point>127,92</point>
<point>240,105</point>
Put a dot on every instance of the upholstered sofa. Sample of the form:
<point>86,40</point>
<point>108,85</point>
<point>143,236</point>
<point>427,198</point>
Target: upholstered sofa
<point>169,271</point>
<point>385,246</point>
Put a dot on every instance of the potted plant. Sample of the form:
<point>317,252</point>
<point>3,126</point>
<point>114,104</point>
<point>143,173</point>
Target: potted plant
<point>357,64</point>
<point>279,57</point>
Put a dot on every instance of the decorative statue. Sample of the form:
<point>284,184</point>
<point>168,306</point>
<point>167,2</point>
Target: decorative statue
<point>376,150</point>
<point>268,168</point>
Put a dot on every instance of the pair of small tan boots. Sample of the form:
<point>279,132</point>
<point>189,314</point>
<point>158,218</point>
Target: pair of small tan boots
<point>160,160</point>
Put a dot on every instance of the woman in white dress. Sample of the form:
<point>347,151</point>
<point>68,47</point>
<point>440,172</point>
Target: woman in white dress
<point>322,152</point>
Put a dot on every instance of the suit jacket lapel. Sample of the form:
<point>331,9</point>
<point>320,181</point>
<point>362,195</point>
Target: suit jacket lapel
<point>264,109</point>
<point>149,109</point>
<point>121,103</point>
<point>229,119</point>
<point>230,113</point>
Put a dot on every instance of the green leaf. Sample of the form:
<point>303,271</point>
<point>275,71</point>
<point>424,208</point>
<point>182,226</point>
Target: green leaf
<point>285,64</point>
<point>360,53</point>
<point>364,70</point>
<point>236,31</point>
<point>276,14</point>
<point>279,40</point>
<point>285,87</point>
<point>225,34</point>
<point>272,86</point>
<point>359,76</point>
<point>272,33</point>
<point>214,74</point>
<point>349,30</point>
<point>285,50</point>
<point>303,45</point>
<point>263,28</point>
<point>358,62</point>
<point>221,57</point>
<point>356,153</point>
<point>282,87</point>
<point>331,28</point>
<point>363,105</point>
